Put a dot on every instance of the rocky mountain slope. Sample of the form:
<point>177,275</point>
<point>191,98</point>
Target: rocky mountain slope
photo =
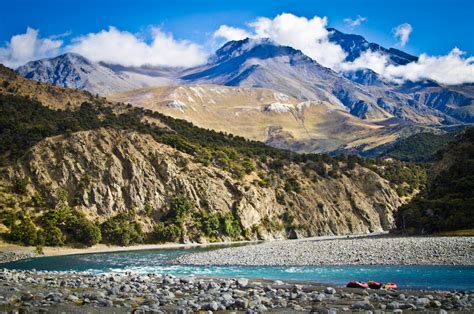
<point>74,71</point>
<point>122,175</point>
<point>49,95</point>
<point>354,45</point>
<point>271,117</point>
<point>131,170</point>
<point>262,63</point>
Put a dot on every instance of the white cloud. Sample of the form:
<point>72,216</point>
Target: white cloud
<point>355,22</point>
<point>451,69</point>
<point>402,33</point>
<point>28,46</point>
<point>231,33</point>
<point>308,35</point>
<point>367,60</point>
<point>120,47</point>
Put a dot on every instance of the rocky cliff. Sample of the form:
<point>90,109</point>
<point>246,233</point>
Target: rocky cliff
<point>107,171</point>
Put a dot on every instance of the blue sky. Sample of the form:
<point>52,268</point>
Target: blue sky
<point>438,26</point>
<point>184,33</point>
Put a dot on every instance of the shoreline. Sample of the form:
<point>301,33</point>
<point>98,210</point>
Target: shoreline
<point>125,293</point>
<point>382,250</point>
<point>30,251</point>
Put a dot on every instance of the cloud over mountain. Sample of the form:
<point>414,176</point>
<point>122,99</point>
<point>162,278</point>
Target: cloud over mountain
<point>124,48</point>
<point>28,46</point>
<point>310,35</point>
<point>450,69</point>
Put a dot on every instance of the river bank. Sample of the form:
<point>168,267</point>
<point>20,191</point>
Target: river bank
<point>379,250</point>
<point>126,292</point>
<point>11,252</point>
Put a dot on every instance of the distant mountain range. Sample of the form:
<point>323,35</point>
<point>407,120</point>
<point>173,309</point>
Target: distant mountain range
<point>264,64</point>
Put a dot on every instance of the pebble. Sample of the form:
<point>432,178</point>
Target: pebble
<point>157,293</point>
<point>388,250</point>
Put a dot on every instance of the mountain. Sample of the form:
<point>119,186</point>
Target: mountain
<point>48,94</point>
<point>74,71</point>
<point>447,203</point>
<point>268,116</point>
<point>355,45</point>
<point>263,64</point>
<point>119,174</point>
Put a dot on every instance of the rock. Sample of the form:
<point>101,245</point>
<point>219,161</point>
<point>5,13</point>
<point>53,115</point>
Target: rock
<point>422,302</point>
<point>212,306</point>
<point>362,305</point>
<point>242,282</point>
<point>330,290</point>
<point>241,303</point>
<point>72,298</point>
<point>27,297</point>
<point>393,305</point>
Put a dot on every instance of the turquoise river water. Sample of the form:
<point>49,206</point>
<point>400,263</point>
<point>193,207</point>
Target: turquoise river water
<point>160,261</point>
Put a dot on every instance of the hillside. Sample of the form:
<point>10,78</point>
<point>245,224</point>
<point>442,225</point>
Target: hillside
<point>421,147</point>
<point>49,95</point>
<point>265,64</point>
<point>96,174</point>
<point>448,201</point>
<point>265,115</point>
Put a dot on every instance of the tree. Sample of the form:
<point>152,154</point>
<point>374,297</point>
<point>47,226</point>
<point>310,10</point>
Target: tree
<point>24,232</point>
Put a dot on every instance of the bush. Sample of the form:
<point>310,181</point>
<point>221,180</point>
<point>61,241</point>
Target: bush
<point>292,184</point>
<point>231,227</point>
<point>83,230</point>
<point>121,230</point>
<point>24,232</point>
<point>20,185</point>
<point>164,232</point>
<point>53,236</point>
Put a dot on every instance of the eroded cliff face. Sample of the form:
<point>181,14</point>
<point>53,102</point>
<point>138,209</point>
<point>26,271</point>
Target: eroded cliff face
<point>107,171</point>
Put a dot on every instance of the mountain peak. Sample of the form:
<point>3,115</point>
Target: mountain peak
<point>236,48</point>
<point>354,45</point>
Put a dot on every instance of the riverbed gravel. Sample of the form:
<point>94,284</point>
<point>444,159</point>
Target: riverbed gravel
<point>79,292</point>
<point>383,250</point>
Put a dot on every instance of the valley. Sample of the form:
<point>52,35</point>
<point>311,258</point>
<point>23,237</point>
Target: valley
<point>265,165</point>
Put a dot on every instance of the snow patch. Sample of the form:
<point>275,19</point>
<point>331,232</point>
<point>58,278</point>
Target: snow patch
<point>178,105</point>
<point>279,107</point>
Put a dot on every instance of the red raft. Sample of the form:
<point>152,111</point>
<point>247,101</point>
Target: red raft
<point>390,285</point>
<point>374,284</point>
<point>357,284</point>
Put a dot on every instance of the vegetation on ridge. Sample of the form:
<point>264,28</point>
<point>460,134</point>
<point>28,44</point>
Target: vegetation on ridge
<point>24,122</point>
<point>448,201</point>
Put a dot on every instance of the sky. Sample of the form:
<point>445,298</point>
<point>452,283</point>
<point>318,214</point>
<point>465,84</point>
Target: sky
<point>184,33</point>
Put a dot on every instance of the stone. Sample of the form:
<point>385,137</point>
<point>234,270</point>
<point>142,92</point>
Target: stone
<point>242,282</point>
<point>362,305</point>
<point>330,290</point>
<point>422,302</point>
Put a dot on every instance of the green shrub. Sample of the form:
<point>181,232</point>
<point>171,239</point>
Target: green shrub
<point>231,227</point>
<point>166,232</point>
<point>24,232</point>
<point>292,184</point>
<point>20,185</point>
<point>53,236</point>
<point>121,230</point>
<point>83,230</point>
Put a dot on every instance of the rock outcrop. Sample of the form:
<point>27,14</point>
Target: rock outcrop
<point>107,171</point>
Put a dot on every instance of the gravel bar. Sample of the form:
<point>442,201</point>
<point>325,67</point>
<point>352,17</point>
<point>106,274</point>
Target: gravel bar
<point>381,250</point>
<point>74,292</point>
